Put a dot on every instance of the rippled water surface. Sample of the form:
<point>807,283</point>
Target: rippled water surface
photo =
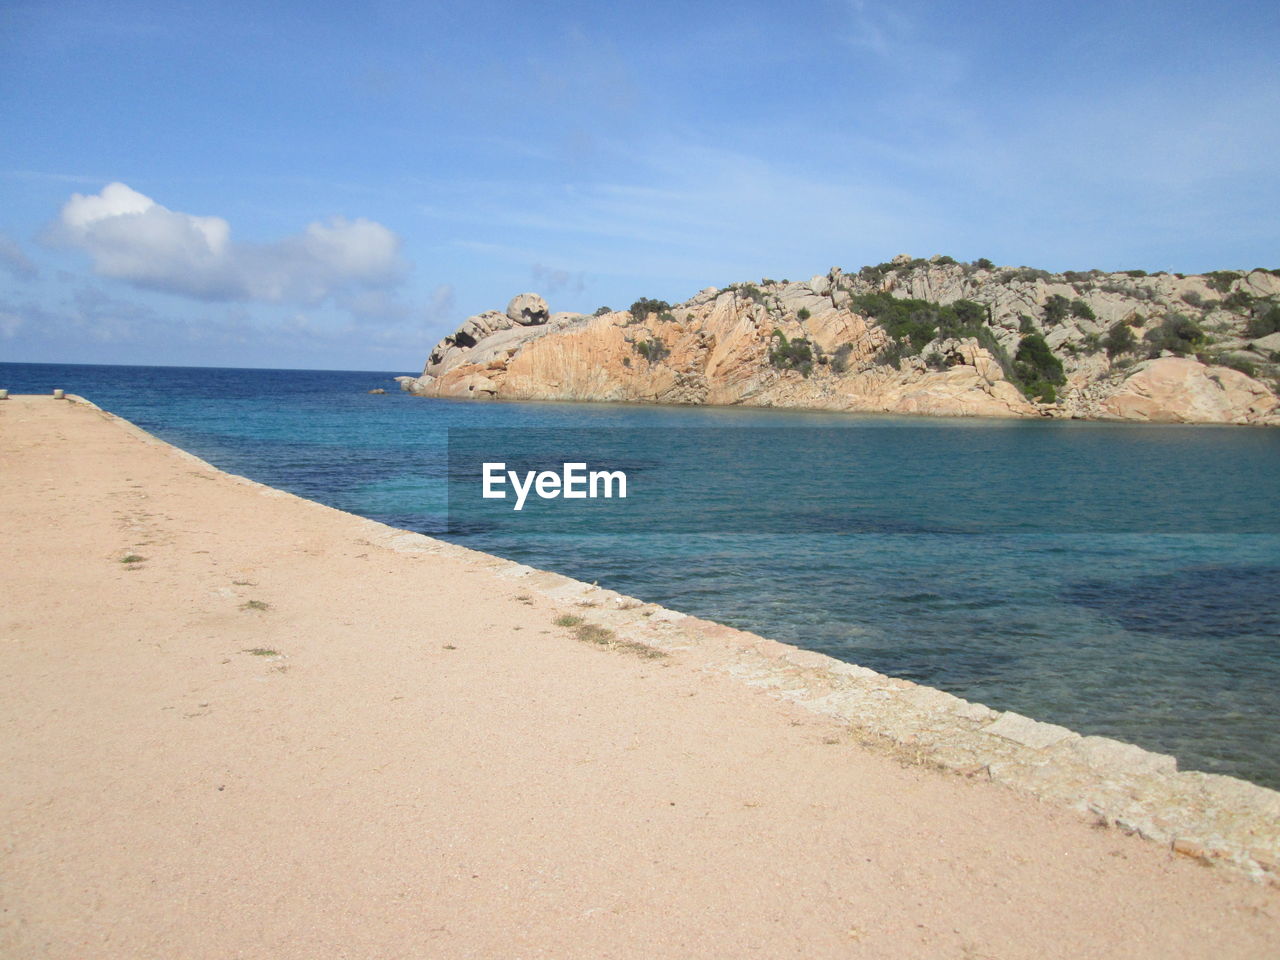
<point>1164,634</point>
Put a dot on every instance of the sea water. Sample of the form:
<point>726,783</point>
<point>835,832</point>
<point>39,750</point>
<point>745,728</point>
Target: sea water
<point>1149,611</point>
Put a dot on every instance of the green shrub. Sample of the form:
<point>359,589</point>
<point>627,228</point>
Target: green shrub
<point>913,320</point>
<point>1092,342</point>
<point>1134,273</point>
<point>1082,310</point>
<point>1178,334</point>
<point>1238,301</point>
<point>987,340</point>
<point>936,361</point>
<point>1221,280</point>
<point>967,314</point>
<point>1119,339</point>
<point>1193,299</point>
<point>892,353</point>
<point>914,323</point>
<point>919,321</point>
<point>641,309</point>
<point>1041,390</point>
<point>840,362</point>
<point>803,313</point>
<point>1264,324</point>
<point>1026,324</point>
<point>654,350</point>
<point>794,354</point>
<point>1081,276</point>
<point>601,311</point>
<point>1242,364</point>
<point>945,261</point>
<point>1056,309</point>
<point>1036,371</point>
<point>982,263</point>
<point>909,265</point>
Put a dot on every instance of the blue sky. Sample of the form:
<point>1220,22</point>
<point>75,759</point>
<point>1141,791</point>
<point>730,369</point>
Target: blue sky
<point>338,185</point>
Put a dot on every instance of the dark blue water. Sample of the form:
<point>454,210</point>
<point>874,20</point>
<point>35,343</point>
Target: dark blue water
<point>1166,634</point>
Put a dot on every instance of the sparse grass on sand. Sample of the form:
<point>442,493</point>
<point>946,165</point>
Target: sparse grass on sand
<point>262,652</point>
<point>132,558</point>
<point>600,636</point>
<point>255,605</point>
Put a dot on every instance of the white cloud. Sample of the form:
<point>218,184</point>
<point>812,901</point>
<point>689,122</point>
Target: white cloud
<point>131,237</point>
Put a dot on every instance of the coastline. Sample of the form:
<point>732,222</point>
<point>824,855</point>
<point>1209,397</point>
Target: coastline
<point>913,336</point>
<point>1042,416</point>
<point>830,714</point>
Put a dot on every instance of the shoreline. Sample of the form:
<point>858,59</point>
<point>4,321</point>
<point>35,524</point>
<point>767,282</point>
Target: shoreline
<point>868,717</point>
<point>1041,417</point>
<point>1209,817</point>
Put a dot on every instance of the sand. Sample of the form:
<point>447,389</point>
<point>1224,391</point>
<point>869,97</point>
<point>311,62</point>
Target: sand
<point>401,757</point>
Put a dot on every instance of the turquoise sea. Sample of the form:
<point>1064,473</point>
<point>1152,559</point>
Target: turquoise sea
<point>1118,579</point>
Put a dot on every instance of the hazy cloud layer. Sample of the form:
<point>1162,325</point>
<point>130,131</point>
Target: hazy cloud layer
<point>131,237</point>
<point>551,281</point>
<point>14,260</point>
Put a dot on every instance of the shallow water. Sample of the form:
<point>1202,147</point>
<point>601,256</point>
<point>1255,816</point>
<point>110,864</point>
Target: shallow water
<point>1119,579</point>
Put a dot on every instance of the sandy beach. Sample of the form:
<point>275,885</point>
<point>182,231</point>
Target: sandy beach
<point>240,724</point>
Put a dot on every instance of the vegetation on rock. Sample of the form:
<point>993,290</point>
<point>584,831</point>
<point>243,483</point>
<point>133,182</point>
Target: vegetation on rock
<point>794,354</point>
<point>1119,339</point>
<point>641,309</point>
<point>1178,334</point>
<point>853,322</point>
<point>653,350</point>
<point>1038,372</point>
<point>1264,324</point>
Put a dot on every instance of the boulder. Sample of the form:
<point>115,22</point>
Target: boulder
<point>528,310</point>
<point>1182,390</point>
<point>455,349</point>
<point>1267,344</point>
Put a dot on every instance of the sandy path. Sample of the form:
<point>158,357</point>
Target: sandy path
<point>431,768</point>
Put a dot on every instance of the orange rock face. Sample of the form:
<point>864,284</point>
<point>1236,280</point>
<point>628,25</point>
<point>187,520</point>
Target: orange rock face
<point>718,352</point>
<point>722,347</point>
<point>1178,389</point>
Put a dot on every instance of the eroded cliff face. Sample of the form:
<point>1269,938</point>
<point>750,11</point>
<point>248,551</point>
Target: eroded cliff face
<point>818,344</point>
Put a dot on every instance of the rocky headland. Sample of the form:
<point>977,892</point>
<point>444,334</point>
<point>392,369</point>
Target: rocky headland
<point>912,336</point>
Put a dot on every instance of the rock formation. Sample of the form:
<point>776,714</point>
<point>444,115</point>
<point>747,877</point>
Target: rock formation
<point>909,336</point>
